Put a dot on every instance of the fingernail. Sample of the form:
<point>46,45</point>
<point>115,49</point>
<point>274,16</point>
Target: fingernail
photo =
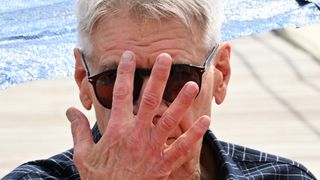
<point>191,90</point>
<point>127,56</point>
<point>205,122</point>
<point>71,115</point>
<point>164,59</point>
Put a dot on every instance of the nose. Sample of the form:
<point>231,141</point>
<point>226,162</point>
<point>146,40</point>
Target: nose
<point>136,104</point>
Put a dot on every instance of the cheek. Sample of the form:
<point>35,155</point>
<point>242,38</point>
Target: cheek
<point>192,115</point>
<point>202,105</point>
<point>203,102</point>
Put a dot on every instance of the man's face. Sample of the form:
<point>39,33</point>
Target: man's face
<point>112,36</point>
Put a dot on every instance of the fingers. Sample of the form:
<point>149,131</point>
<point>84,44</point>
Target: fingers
<point>122,92</point>
<point>152,95</point>
<point>185,142</point>
<point>80,128</point>
<point>171,118</point>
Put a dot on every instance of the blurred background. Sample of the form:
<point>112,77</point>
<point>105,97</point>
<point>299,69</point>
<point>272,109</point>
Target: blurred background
<point>273,104</point>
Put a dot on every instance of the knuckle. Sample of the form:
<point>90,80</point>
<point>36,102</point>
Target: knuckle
<point>168,122</point>
<point>162,77</point>
<point>161,74</point>
<point>186,97</point>
<point>165,169</point>
<point>125,69</point>
<point>184,101</point>
<point>121,91</point>
<point>167,164</point>
<point>151,100</point>
<point>189,94</point>
<point>181,148</point>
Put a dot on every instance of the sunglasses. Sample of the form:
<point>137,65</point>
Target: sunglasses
<point>180,74</point>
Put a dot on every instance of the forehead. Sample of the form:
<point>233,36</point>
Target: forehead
<point>146,38</point>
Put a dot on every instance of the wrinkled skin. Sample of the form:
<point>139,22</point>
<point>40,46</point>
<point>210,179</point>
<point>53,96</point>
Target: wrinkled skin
<point>149,138</point>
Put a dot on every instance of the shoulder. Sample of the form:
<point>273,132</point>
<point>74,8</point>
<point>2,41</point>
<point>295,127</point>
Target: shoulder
<point>57,167</point>
<point>247,162</point>
<point>257,163</point>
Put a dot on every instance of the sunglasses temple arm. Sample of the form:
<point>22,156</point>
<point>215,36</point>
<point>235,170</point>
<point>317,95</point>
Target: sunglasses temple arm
<point>211,56</point>
<point>85,63</point>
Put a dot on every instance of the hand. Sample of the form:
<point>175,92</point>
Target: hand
<point>132,147</point>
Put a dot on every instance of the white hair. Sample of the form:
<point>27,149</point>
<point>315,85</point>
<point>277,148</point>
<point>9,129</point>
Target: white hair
<point>208,14</point>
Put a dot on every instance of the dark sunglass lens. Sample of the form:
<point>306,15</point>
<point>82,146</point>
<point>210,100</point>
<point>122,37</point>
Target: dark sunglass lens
<point>179,76</point>
<point>138,81</point>
<point>104,88</point>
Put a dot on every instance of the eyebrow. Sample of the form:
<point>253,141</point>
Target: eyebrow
<point>107,65</point>
<point>112,65</point>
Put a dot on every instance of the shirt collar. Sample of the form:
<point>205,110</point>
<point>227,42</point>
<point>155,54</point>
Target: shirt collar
<point>226,166</point>
<point>95,133</point>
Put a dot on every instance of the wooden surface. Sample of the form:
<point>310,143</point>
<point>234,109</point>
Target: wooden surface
<point>273,105</point>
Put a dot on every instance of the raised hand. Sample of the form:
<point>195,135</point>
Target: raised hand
<point>132,146</point>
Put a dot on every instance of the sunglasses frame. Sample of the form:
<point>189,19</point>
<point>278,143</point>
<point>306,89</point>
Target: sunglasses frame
<point>146,72</point>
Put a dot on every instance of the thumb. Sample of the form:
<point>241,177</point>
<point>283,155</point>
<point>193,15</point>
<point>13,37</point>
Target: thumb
<point>80,128</point>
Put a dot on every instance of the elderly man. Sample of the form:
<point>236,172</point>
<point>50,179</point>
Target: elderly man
<point>150,69</point>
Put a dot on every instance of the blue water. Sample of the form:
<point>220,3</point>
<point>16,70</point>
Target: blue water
<point>37,36</point>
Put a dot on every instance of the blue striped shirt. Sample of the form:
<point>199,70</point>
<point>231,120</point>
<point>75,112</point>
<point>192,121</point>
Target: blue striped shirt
<point>233,162</point>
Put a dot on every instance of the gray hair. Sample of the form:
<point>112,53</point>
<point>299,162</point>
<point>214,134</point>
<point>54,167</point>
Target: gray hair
<point>207,13</point>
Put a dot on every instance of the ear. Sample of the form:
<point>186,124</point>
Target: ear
<point>222,72</point>
<point>80,77</point>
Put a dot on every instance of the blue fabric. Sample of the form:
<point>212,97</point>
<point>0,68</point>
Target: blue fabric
<point>233,162</point>
<point>37,36</point>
